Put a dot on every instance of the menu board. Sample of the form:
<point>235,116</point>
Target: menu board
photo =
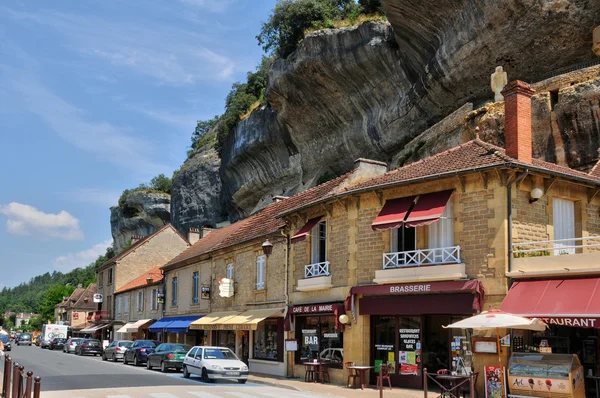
<point>409,356</point>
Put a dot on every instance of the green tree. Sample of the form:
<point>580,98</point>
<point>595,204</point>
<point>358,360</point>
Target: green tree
<point>54,296</point>
<point>370,6</point>
<point>13,318</point>
<point>201,133</point>
<point>161,183</point>
<point>35,323</point>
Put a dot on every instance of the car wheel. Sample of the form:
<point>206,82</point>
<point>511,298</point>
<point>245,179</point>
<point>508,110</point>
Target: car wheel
<point>51,349</point>
<point>114,358</point>
<point>242,381</point>
<point>148,366</point>
<point>104,357</point>
<point>205,377</point>
<point>125,359</point>
<point>163,367</point>
<point>186,374</point>
<point>135,361</point>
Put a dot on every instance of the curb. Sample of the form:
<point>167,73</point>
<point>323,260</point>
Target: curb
<point>275,384</point>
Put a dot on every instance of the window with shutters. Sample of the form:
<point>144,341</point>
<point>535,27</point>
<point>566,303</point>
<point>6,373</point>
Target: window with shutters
<point>441,233</point>
<point>174,292</point>
<point>154,299</point>
<point>229,271</point>
<point>119,305</point>
<point>140,301</point>
<point>126,304</point>
<point>564,226</point>
<point>260,272</point>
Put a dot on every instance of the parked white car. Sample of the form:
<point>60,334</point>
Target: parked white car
<point>213,363</point>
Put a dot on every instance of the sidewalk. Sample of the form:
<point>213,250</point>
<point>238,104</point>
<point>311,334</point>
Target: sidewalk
<point>299,384</point>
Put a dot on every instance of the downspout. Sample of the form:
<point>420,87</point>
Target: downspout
<point>509,218</point>
<point>288,242</point>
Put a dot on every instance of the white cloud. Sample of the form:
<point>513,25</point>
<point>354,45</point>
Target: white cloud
<point>27,220</point>
<point>80,259</point>
<point>110,143</point>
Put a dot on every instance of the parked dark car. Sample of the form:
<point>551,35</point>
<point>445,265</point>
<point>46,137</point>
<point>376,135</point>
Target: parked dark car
<point>89,346</point>
<point>57,343</point>
<point>6,341</point>
<point>116,350</point>
<point>24,339</point>
<point>138,352</point>
<point>167,356</point>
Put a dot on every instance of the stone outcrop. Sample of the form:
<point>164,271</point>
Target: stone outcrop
<point>368,91</point>
<point>196,192</point>
<point>143,213</point>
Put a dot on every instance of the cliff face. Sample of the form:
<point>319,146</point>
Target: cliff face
<point>368,91</point>
<point>196,192</point>
<point>143,214</point>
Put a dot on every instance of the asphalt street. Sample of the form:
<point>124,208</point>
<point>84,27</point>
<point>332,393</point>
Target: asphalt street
<point>67,375</point>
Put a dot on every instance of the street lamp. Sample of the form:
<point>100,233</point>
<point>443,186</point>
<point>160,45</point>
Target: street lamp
<point>267,248</point>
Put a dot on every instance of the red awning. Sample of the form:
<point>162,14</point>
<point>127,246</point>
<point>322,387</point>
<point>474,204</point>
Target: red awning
<point>428,209</point>
<point>393,213</point>
<point>568,302</point>
<point>305,230</point>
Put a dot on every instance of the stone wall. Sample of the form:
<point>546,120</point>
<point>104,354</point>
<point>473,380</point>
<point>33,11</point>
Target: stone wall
<point>185,292</point>
<point>131,314</point>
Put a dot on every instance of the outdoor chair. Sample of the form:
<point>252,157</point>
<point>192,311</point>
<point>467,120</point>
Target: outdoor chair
<point>384,375</point>
<point>352,375</point>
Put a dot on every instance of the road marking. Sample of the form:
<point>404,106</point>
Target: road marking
<point>162,395</point>
<point>242,395</point>
<point>203,394</point>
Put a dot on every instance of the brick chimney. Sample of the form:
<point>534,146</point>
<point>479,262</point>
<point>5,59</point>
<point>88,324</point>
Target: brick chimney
<point>136,238</point>
<point>193,235</point>
<point>517,120</point>
<point>205,230</point>
<point>279,198</point>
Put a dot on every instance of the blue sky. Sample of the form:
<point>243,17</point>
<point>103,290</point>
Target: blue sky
<point>97,97</point>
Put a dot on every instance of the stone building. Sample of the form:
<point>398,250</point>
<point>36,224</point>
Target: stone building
<point>144,254</point>
<point>76,310</point>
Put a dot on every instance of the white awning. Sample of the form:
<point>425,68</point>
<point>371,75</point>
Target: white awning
<point>132,327</point>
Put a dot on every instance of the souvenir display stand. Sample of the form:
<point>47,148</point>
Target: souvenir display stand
<point>546,375</point>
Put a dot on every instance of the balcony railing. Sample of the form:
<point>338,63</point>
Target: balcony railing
<point>317,269</point>
<point>557,247</point>
<point>415,258</point>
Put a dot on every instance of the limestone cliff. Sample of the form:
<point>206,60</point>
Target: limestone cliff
<point>142,214</point>
<point>368,91</point>
<point>196,192</point>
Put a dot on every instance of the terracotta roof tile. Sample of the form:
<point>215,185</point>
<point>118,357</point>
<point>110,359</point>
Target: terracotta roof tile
<point>260,224</point>
<point>74,297</point>
<point>88,294</point>
<point>140,281</point>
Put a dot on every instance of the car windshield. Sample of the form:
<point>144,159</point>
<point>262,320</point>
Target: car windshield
<point>76,340</point>
<point>25,337</point>
<point>181,347</point>
<point>125,343</point>
<point>219,353</point>
<point>146,343</point>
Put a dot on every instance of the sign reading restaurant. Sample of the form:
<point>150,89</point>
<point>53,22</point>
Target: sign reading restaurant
<point>576,322</point>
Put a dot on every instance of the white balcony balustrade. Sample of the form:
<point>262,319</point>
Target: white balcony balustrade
<point>415,258</point>
<point>316,270</point>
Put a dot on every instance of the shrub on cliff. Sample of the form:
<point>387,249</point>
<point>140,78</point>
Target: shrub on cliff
<point>290,19</point>
<point>158,184</point>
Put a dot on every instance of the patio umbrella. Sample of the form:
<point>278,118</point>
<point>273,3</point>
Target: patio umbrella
<point>496,319</point>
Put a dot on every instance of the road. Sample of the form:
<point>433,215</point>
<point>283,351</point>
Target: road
<point>70,376</point>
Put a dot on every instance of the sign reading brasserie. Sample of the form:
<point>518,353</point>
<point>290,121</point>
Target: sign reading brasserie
<point>420,288</point>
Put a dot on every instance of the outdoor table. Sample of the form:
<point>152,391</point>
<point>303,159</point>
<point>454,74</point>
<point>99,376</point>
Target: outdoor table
<point>315,370</point>
<point>454,382</point>
<point>596,380</point>
<point>362,372</point>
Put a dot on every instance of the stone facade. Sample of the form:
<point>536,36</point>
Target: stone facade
<point>130,313</point>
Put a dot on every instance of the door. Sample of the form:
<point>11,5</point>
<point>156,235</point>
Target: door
<point>563,212</point>
<point>245,346</point>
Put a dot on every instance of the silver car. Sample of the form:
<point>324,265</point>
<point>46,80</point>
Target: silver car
<point>70,345</point>
<point>115,350</point>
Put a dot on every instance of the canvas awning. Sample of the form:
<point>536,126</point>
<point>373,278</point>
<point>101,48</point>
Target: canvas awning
<point>173,324</point>
<point>247,320</point>
<point>428,209</point>
<point>305,230</point>
<point>133,327</point>
<point>93,329</point>
<point>393,213</point>
<point>564,302</point>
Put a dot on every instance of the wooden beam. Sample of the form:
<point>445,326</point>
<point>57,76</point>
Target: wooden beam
<point>380,197</point>
<point>329,212</point>
<point>592,192</point>
<point>461,181</point>
<point>484,179</point>
<point>344,203</point>
<point>548,185</point>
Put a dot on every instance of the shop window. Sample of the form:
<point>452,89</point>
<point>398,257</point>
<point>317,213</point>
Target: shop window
<point>268,340</point>
<point>319,243</point>
<point>403,239</point>
<point>319,340</point>
<point>174,292</point>
<point>260,272</point>
<point>229,271</point>
<point>195,288</point>
<point>110,276</point>
<point>384,340</point>
<point>441,233</point>
<point>409,356</point>
<point>564,226</point>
